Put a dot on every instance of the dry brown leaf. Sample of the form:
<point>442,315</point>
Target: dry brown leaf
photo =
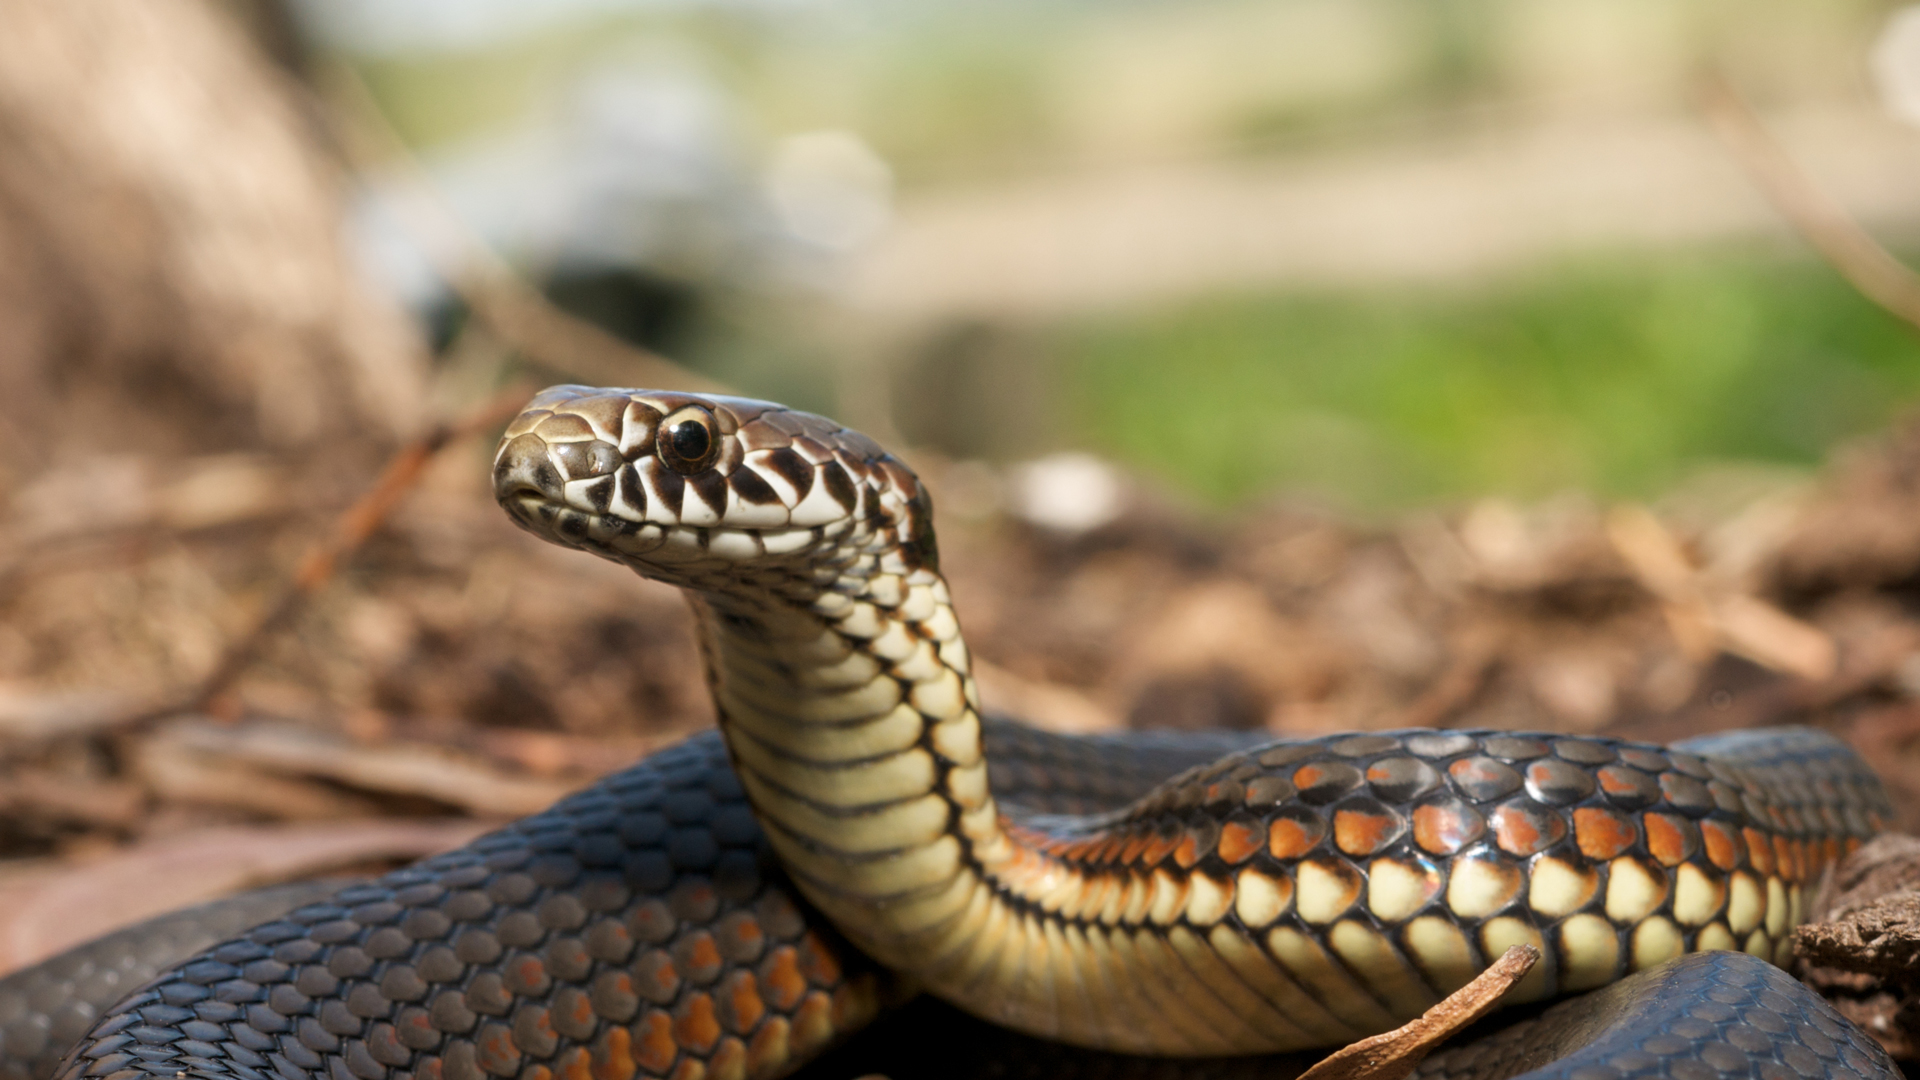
<point>396,768</point>
<point>46,913</point>
<point>141,493</point>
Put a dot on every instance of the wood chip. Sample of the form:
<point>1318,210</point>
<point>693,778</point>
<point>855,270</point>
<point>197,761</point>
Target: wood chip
<point>1768,636</point>
<point>1653,553</point>
<point>32,714</point>
<point>1394,1054</point>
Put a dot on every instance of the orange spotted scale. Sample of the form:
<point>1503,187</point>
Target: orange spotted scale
<point>1480,836</point>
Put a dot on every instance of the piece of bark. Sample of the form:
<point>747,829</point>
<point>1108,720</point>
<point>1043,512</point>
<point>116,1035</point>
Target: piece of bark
<point>1880,939</point>
<point>1862,949</point>
<point>1044,704</point>
<point>1887,864</point>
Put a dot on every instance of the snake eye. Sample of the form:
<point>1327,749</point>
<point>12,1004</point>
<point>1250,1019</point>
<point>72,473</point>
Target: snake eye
<point>687,440</point>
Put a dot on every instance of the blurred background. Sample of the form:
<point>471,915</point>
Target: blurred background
<point>1389,252</point>
<point>1295,365</point>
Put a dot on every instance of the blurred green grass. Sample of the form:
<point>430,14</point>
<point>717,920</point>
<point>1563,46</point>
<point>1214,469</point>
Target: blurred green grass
<point>1619,377</point>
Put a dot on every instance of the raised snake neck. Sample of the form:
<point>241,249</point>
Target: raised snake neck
<point>1298,894</point>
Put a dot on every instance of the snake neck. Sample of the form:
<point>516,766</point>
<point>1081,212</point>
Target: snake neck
<point>854,724</point>
<point>854,728</point>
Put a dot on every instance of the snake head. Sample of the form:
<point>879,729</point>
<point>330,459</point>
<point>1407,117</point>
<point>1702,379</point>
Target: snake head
<point>700,489</point>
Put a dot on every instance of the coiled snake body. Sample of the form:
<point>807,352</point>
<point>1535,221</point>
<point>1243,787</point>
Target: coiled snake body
<point>1284,896</point>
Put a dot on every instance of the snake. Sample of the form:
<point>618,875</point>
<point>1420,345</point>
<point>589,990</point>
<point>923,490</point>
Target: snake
<point>859,830</point>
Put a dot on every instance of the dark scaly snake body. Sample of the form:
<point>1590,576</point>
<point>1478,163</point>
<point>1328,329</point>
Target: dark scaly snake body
<point>46,1008</point>
<point>1291,896</point>
<point>702,959</point>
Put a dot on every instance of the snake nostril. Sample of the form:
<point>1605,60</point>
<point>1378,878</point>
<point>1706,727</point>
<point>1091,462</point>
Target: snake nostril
<point>524,467</point>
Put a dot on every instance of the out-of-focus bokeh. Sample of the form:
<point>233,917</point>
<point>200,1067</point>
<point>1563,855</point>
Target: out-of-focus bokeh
<point>1293,365</point>
<point>1386,251</point>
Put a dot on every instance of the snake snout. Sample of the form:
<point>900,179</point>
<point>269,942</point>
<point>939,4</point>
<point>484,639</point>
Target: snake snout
<point>524,469</point>
<point>564,435</point>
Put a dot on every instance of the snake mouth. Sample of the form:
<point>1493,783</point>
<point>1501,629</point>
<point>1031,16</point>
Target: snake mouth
<point>651,546</point>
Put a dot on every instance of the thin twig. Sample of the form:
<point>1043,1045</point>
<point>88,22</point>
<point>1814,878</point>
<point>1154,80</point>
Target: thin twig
<point>1820,220</point>
<point>1707,617</point>
<point>351,529</point>
<point>1394,1054</point>
<point>501,299</point>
